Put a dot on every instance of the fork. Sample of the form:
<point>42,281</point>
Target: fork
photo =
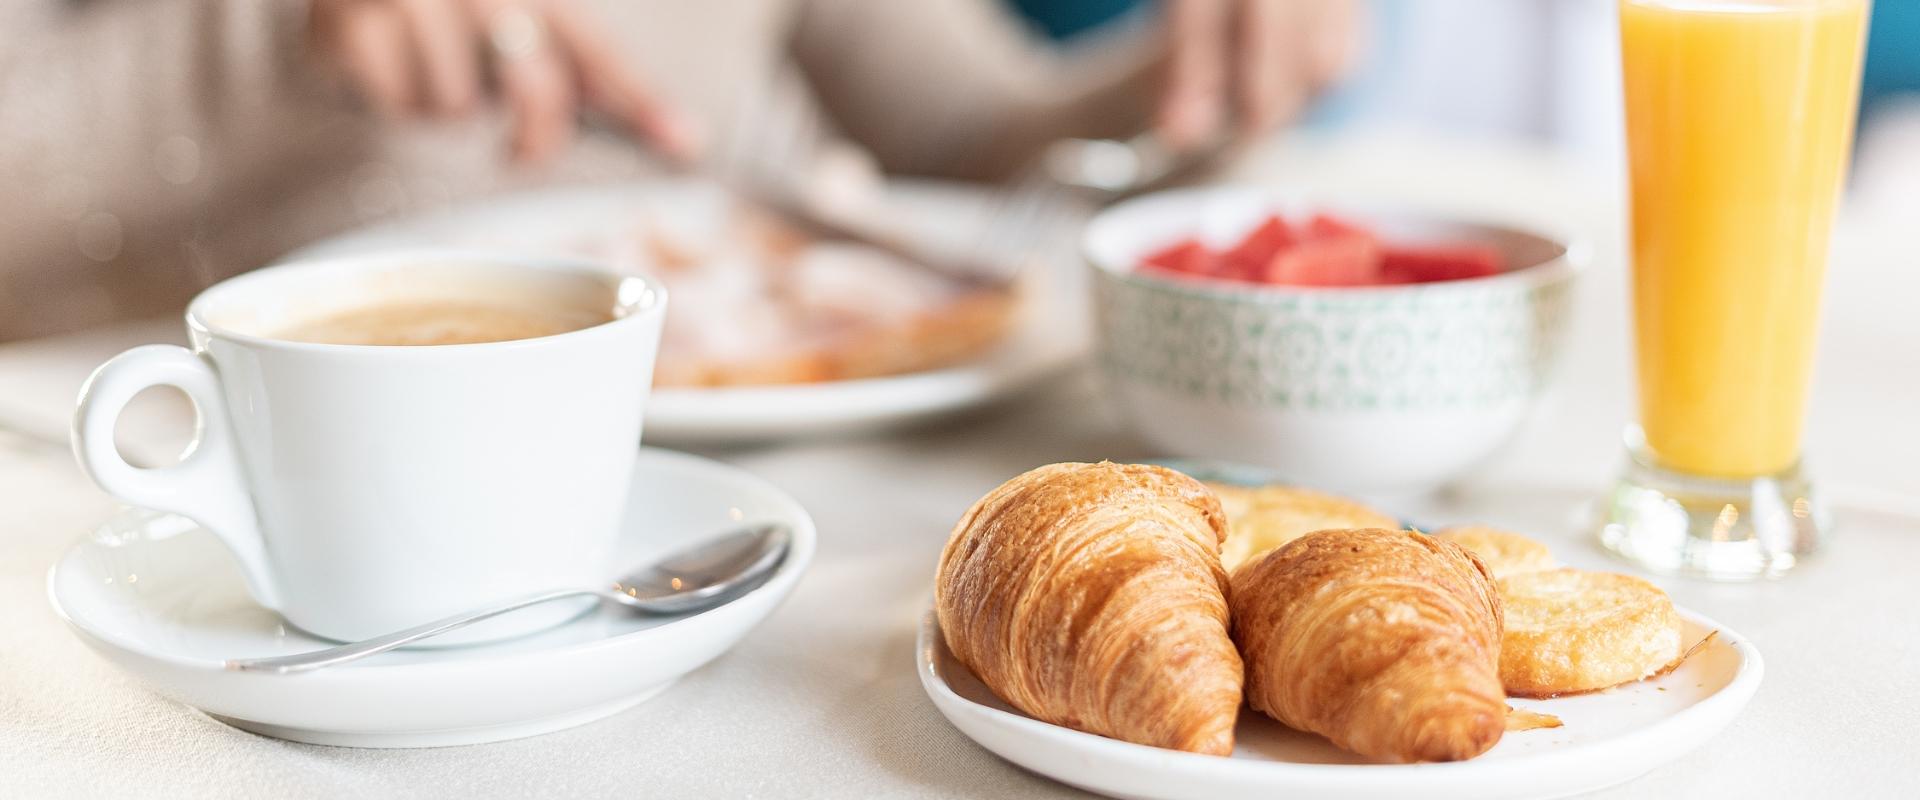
<point>1024,222</point>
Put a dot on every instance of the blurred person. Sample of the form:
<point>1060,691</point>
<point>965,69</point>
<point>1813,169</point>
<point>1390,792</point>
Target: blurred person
<point>1886,175</point>
<point>1547,72</point>
<point>151,147</point>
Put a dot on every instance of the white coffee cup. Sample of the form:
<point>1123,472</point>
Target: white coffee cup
<point>366,488</point>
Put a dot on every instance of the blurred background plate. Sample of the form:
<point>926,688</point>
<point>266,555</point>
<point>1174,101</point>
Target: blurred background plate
<point>1049,332</point>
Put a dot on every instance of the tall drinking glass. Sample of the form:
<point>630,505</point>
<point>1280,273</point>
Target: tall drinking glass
<point>1739,125</point>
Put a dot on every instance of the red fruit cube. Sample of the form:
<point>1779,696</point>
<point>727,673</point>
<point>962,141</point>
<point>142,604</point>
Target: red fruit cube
<point>1327,226</point>
<point>1440,262</point>
<point>1262,243</point>
<point>1342,261</point>
<point>1187,256</point>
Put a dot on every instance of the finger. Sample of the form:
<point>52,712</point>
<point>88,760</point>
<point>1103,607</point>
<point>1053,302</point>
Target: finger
<point>1196,80</point>
<point>534,82</point>
<point>610,85</point>
<point>540,98</point>
<point>1266,82</point>
<point>1336,41</point>
<point>372,45</point>
<point>442,37</point>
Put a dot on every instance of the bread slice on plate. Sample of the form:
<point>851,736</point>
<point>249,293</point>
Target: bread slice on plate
<point>1570,631</point>
<point>1505,552</point>
<point>1262,518</point>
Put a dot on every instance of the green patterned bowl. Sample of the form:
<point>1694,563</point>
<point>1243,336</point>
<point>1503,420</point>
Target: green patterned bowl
<point>1372,390</point>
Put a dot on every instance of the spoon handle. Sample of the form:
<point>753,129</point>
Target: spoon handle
<point>316,659</point>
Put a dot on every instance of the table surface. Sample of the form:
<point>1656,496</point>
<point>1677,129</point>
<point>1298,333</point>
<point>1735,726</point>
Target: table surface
<point>822,699</point>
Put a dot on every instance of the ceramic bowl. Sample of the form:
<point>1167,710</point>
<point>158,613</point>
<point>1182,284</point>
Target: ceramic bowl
<point>1376,390</point>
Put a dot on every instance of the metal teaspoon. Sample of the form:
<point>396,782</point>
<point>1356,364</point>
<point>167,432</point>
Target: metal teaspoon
<point>702,576</point>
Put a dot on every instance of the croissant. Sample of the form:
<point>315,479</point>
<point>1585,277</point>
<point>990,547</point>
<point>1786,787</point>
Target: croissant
<point>1504,552</point>
<point>1091,596</point>
<point>1263,518</point>
<point>1386,642</point>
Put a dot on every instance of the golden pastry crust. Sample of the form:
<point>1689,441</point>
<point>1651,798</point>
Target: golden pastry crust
<point>1386,642</point>
<point>1571,631</point>
<point>1091,596</point>
<point>1505,552</point>
<point>1262,518</point>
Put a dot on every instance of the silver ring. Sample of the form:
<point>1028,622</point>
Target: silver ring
<point>515,33</point>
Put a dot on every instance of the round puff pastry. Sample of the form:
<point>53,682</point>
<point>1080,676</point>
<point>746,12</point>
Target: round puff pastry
<point>1571,631</point>
<point>1505,552</point>
<point>1385,642</point>
<point>1262,518</point>
<point>1091,596</point>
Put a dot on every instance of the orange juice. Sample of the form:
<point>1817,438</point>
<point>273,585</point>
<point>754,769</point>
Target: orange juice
<point>1739,122</point>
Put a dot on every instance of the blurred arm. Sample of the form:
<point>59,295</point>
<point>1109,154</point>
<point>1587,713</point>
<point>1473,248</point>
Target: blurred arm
<point>94,88</point>
<point>120,122</point>
<point>959,88</point>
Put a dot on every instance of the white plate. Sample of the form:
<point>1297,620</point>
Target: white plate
<point>162,599</point>
<point>1607,738</point>
<point>1050,333</point>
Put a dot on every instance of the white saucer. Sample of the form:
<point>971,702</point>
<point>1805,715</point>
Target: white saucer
<point>160,598</point>
<point>1049,335</point>
<point>1608,738</point>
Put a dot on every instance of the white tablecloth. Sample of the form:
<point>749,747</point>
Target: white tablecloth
<point>822,700</point>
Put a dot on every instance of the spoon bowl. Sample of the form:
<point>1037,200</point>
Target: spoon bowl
<point>706,574</point>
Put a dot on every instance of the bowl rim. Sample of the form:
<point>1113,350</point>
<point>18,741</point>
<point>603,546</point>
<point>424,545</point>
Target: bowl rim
<point>1575,256</point>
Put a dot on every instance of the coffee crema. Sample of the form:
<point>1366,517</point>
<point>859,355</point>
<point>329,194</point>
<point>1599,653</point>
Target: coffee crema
<point>436,322</point>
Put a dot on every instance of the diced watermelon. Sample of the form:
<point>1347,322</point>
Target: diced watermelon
<point>1438,262</point>
<point>1326,251</point>
<point>1327,226</point>
<point>1332,261</point>
<point>1231,267</point>
<point>1259,246</point>
<point>1228,270</point>
<point>1187,256</point>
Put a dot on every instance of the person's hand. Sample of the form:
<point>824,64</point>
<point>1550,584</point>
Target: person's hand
<point>545,60</point>
<point>1249,64</point>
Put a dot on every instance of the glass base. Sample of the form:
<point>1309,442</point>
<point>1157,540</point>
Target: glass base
<point>1725,529</point>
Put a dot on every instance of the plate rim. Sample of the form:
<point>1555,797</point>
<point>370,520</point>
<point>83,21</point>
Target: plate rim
<point>1729,699</point>
<point>785,578</point>
<point>877,401</point>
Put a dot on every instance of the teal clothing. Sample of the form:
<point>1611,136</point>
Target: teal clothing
<point>1892,58</point>
<point>1893,53</point>
<point>1063,19</point>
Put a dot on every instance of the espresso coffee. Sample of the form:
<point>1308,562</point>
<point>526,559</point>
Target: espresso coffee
<point>433,322</point>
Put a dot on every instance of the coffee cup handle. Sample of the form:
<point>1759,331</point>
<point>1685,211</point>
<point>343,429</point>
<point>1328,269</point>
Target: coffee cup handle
<point>208,485</point>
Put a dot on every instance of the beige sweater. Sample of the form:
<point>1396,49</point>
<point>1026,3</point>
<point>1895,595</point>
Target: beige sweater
<point>151,147</point>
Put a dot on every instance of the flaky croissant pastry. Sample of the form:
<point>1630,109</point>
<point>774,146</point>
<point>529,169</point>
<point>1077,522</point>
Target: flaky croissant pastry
<point>1569,631</point>
<point>1263,518</point>
<point>1386,642</point>
<point>1091,596</point>
<point>1504,552</point>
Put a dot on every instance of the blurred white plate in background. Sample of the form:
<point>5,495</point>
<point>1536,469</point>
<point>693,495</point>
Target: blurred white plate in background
<point>1050,331</point>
